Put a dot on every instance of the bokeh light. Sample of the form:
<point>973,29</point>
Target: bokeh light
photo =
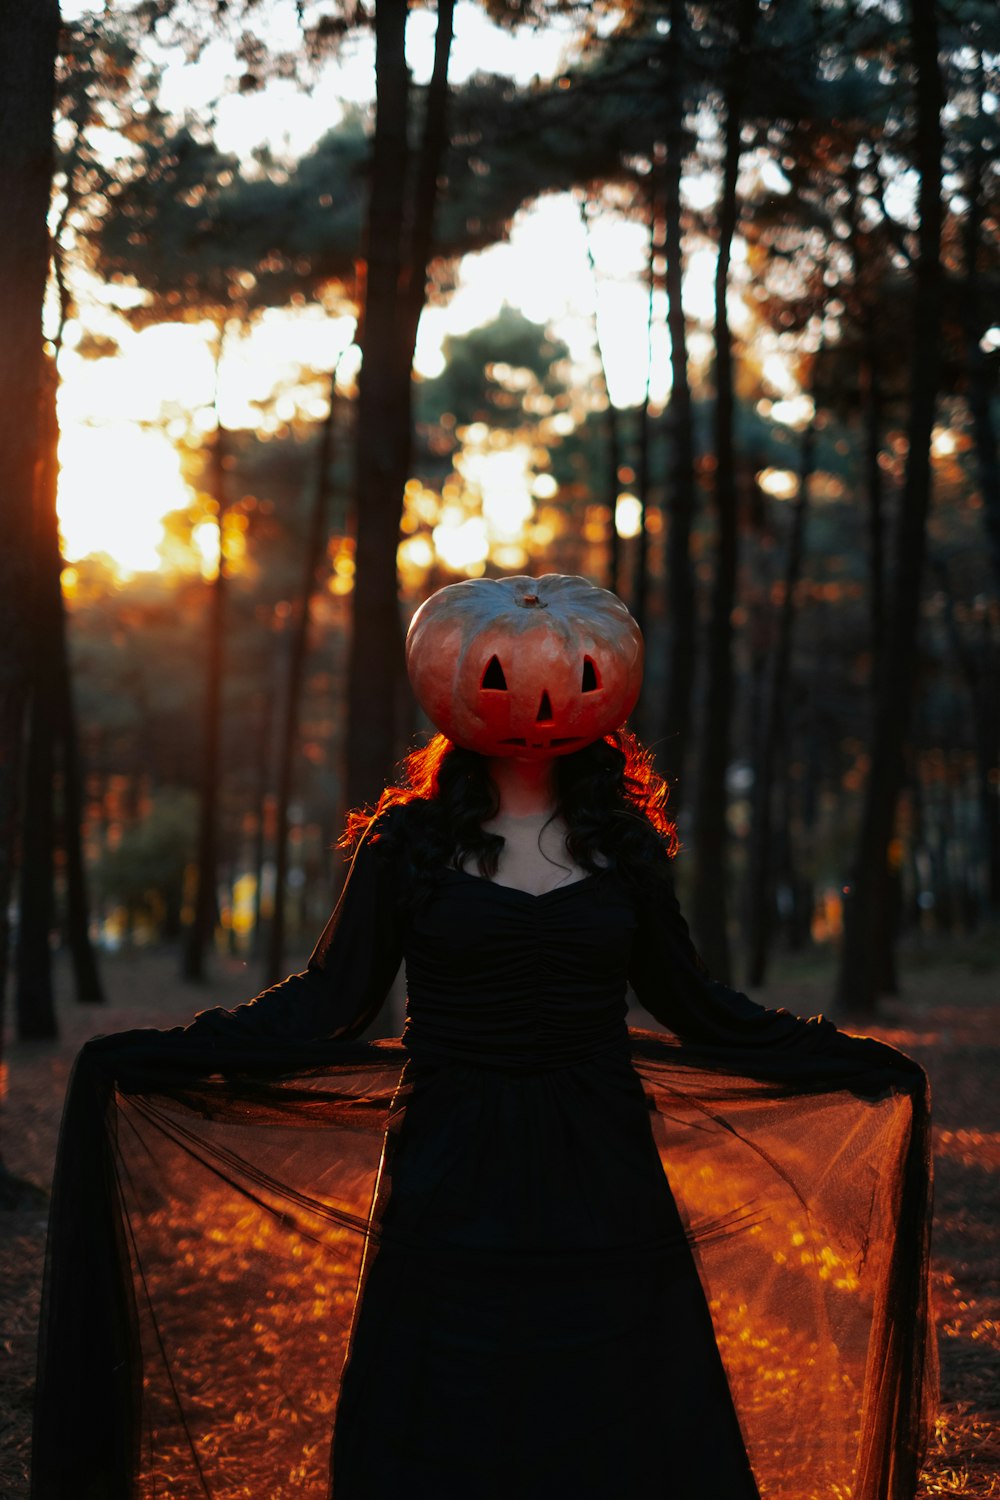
<point>117,484</point>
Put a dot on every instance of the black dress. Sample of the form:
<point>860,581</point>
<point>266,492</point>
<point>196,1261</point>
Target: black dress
<point>540,1328</point>
<point>486,1229</point>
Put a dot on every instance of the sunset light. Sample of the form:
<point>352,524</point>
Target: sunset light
<point>502,478</point>
<point>117,484</point>
<point>628,515</point>
<point>164,376</point>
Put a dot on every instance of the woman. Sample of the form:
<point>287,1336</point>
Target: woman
<point>570,1259</point>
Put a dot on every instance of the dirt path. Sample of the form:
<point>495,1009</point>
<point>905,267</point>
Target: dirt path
<point>953,1019</point>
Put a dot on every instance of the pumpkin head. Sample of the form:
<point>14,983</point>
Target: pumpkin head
<point>527,667</point>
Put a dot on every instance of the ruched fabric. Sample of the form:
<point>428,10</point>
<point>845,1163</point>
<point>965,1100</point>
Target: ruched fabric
<point>521,1251</point>
<point>504,979</point>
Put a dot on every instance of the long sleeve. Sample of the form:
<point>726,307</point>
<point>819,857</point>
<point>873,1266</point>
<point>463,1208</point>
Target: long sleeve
<point>672,982</point>
<point>348,975</point>
<point>337,995</point>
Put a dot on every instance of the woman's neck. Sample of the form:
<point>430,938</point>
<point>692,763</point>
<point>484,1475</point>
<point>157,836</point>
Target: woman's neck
<point>526,788</point>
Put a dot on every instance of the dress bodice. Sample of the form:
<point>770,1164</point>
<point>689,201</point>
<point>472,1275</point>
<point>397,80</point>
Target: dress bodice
<point>500,976</point>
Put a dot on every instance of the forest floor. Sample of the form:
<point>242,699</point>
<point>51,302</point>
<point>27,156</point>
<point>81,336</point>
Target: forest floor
<point>948,1017</point>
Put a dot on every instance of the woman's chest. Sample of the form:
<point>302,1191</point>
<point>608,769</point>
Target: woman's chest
<point>470,928</point>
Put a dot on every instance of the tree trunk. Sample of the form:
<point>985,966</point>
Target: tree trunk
<point>866,911</point>
<point>417,257</point>
<point>872,410</point>
<point>396,290</point>
<point>680,609</point>
<point>375,660</point>
<point>988,758</point>
<point>612,429</point>
<point>200,933</point>
<point>869,377</point>
<point>796,907</point>
<point>613,459</point>
<point>86,974</point>
<point>315,543</point>
<point>981,670</point>
<point>760,881</point>
<point>708,907</point>
<point>262,774</point>
<point>640,580</point>
<point>870,394</point>
<point>35,996</point>
<point>52,724</point>
<point>28,43</point>
<point>887,981</point>
<point>976,373</point>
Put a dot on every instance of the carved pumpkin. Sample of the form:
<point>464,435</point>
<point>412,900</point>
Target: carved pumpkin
<point>529,667</point>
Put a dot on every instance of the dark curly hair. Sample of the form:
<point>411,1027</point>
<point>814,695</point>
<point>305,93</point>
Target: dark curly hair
<point>613,801</point>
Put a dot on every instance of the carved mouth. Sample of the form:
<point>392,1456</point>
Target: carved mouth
<point>569,739</point>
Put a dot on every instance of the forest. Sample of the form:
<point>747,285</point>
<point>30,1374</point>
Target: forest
<point>311,308</point>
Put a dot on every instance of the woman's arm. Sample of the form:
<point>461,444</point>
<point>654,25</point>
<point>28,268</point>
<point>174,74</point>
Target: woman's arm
<point>349,973</point>
<point>671,981</point>
<point>340,991</point>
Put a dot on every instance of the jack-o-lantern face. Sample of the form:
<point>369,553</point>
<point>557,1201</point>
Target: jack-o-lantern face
<point>527,667</point>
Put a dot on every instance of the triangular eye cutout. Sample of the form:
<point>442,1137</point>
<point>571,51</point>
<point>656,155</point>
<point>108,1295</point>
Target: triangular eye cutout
<point>590,683</point>
<point>544,710</point>
<point>493,677</point>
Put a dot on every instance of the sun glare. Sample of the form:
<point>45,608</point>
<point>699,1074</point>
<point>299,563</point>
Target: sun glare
<point>461,545</point>
<point>205,538</point>
<point>269,376</point>
<point>502,480</point>
<point>782,484</point>
<point>121,476</point>
<point>117,483</point>
<point>628,515</point>
<point>570,273</point>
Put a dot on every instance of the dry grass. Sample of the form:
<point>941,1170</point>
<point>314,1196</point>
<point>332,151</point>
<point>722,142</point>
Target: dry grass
<point>949,1020</point>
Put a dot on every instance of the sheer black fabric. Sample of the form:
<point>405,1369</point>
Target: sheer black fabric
<point>520,1250</point>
